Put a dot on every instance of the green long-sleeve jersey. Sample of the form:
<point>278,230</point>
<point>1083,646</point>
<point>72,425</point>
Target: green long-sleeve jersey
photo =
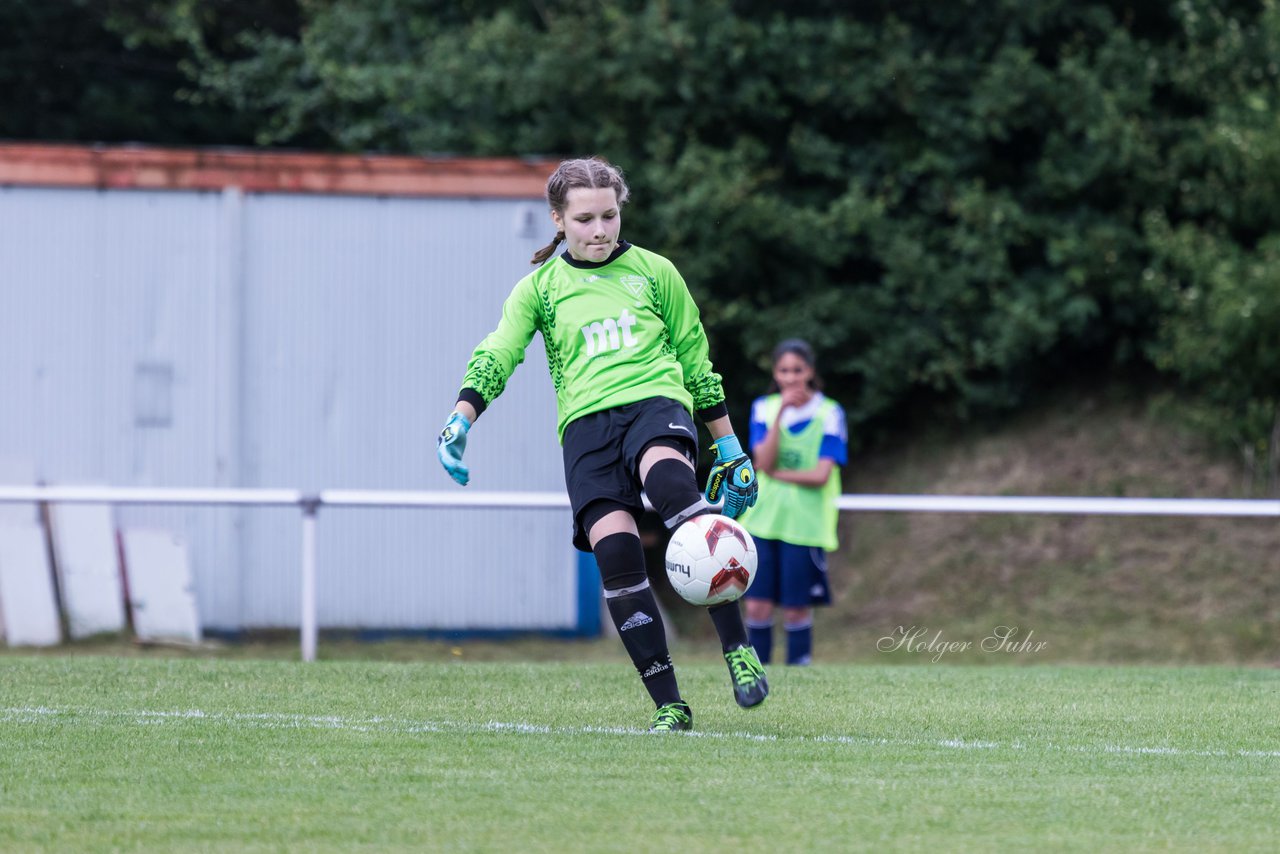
<point>615,332</point>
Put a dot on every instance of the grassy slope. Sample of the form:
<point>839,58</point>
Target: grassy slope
<point>1099,589</point>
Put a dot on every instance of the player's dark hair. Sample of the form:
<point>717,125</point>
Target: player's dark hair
<point>593,173</point>
<point>801,348</point>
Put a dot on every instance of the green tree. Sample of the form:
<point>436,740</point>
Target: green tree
<point>1214,242</point>
<point>959,203</point>
<point>77,70</point>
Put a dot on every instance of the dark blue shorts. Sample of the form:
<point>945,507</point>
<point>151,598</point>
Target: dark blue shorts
<point>790,575</point>
<point>602,454</point>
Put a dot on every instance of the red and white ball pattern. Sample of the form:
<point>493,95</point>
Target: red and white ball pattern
<point>711,559</point>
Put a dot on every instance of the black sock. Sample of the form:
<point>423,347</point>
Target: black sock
<point>727,617</point>
<point>639,623</point>
<point>635,613</point>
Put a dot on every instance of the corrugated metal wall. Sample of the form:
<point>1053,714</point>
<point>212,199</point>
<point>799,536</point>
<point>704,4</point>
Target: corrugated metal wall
<point>188,339</point>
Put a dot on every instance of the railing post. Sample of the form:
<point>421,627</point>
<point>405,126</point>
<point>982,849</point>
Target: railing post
<point>310,509</point>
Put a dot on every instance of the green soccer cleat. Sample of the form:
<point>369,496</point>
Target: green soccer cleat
<point>750,687</point>
<point>672,717</point>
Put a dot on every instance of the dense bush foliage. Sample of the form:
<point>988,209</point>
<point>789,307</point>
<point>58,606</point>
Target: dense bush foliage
<point>958,203</point>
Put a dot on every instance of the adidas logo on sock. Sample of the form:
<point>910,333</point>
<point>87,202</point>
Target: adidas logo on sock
<point>656,668</point>
<point>639,618</point>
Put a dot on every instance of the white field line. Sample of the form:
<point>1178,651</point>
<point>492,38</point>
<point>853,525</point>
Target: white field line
<point>41,715</point>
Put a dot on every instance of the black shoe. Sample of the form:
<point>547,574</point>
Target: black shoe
<point>749,684</point>
<point>671,717</point>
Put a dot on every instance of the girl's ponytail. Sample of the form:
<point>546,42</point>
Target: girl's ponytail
<point>547,251</point>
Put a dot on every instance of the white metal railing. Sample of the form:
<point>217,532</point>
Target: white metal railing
<point>310,504</point>
<point>1063,504</point>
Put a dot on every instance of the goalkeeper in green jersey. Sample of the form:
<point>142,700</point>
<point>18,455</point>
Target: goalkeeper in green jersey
<point>629,361</point>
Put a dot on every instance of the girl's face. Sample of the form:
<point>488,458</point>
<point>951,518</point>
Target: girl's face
<point>792,374</point>
<point>590,222</point>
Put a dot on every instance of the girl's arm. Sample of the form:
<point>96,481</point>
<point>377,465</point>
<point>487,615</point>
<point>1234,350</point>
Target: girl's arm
<point>815,477</point>
<point>766,451</point>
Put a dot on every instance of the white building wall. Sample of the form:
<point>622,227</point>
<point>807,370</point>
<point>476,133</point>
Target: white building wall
<point>188,339</point>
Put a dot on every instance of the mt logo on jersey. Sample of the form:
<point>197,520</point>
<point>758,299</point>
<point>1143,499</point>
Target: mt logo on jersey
<point>610,334</point>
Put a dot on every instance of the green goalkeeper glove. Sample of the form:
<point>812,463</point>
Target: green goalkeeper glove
<point>732,476</point>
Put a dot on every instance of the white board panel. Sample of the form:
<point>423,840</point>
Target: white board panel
<point>17,472</point>
<point>158,573</point>
<point>28,603</point>
<point>86,561</point>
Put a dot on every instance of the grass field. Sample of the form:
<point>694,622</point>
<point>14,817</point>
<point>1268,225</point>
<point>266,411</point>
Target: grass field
<point>179,754</point>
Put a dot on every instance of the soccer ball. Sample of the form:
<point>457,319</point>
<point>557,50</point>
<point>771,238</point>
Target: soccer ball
<point>711,559</point>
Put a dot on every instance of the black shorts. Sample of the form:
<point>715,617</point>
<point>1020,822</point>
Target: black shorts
<point>602,454</point>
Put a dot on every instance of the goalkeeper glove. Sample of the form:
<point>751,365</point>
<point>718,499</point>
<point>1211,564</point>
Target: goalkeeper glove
<point>732,476</point>
<point>451,444</point>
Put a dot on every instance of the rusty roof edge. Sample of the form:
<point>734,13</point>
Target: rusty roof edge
<point>258,170</point>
